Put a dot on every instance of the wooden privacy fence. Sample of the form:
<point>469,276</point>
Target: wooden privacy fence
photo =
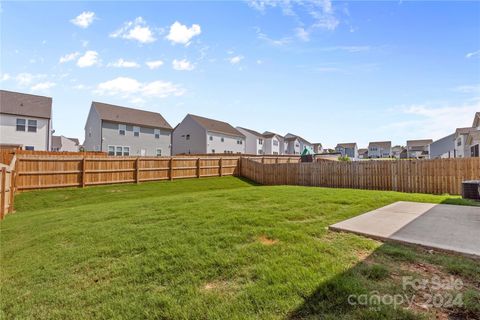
<point>420,176</point>
<point>36,172</point>
<point>7,187</point>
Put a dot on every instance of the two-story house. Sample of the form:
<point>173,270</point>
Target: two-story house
<point>462,148</point>
<point>473,139</point>
<point>273,143</point>
<point>317,148</point>
<point>295,144</point>
<point>380,149</point>
<point>25,120</point>
<point>122,131</point>
<point>442,148</point>
<point>200,135</point>
<point>418,149</point>
<point>348,149</point>
<point>254,141</point>
<point>62,143</point>
<point>363,153</point>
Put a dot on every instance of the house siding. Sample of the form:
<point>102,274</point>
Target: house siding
<point>93,132</point>
<point>443,148</point>
<point>229,144</point>
<point>39,140</point>
<point>146,141</point>
<point>252,143</point>
<point>197,144</point>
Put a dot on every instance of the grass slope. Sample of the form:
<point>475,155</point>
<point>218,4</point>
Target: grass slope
<point>205,249</point>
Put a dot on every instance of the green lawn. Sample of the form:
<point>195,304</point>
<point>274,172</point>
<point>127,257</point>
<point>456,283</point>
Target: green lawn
<point>216,248</point>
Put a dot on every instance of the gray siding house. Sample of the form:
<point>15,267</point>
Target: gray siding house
<point>296,144</point>
<point>199,135</point>
<point>380,149</point>
<point>122,131</point>
<point>348,149</point>
<point>62,143</point>
<point>418,148</point>
<point>443,148</point>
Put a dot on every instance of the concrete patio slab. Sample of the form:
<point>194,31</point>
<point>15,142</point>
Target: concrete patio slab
<point>437,226</point>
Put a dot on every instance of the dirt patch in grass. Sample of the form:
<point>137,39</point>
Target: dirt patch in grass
<point>220,286</point>
<point>265,240</point>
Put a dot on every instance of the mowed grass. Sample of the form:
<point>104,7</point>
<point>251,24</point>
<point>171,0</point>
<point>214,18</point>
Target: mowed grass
<point>217,248</point>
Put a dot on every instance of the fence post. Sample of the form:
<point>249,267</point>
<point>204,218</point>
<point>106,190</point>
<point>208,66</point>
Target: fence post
<point>2,200</point>
<point>170,174</point>
<point>137,170</point>
<point>84,169</point>
<point>220,165</point>
<point>239,166</point>
<point>12,191</point>
<point>276,160</point>
<point>198,167</point>
<point>263,160</point>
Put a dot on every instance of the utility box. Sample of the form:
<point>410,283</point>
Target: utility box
<point>471,189</point>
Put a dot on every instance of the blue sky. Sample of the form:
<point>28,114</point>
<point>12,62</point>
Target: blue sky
<point>328,71</point>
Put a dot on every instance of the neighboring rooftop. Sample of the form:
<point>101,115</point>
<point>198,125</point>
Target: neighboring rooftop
<point>362,151</point>
<point>291,135</point>
<point>466,130</point>
<point>23,104</point>
<point>120,114</point>
<point>381,144</point>
<point>216,126</point>
<point>349,145</point>
<point>476,120</point>
<point>419,143</point>
<point>255,133</point>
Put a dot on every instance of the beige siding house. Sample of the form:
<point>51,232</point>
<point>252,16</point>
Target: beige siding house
<point>380,149</point>
<point>62,143</point>
<point>200,135</point>
<point>25,120</point>
<point>418,149</point>
<point>122,131</point>
<point>348,149</point>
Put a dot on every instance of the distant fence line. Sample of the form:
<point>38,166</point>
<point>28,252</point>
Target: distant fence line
<point>418,176</point>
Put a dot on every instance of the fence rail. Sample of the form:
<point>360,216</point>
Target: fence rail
<point>419,176</point>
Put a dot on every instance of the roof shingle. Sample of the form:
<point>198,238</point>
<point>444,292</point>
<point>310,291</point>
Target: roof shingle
<point>217,126</point>
<point>23,104</point>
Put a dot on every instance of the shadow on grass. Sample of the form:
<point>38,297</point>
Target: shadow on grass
<point>373,289</point>
<point>461,202</point>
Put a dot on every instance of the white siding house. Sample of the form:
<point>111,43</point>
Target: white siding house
<point>62,143</point>
<point>122,131</point>
<point>380,149</point>
<point>254,141</point>
<point>418,149</point>
<point>199,135</point>
<point>462,148</point>
<point>25,120</point>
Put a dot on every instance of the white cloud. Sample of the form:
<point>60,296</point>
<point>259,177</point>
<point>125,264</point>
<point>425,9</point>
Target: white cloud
<point>90,58</point>
<point>433,121</point>
<point>155,64</point>
<point>259,61</point>
<point>182,65</point>
<point>25,78</point>
<point>135,30</point>
<point>182,34</point>
<point>472,54</point>
<point>42,86</point>
<point>69,57</point>
<point>5,77</point>
<point>274,42</point>
<point>235,59</point>
<point>120,63</point>
<point>302,34</point>
<point>131,88</point>
<point>84,19</point>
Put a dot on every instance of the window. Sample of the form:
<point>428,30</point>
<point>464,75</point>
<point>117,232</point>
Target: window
<point>136,131</point>
<point>475,151</point>
<point>275,142</point>
<point>459,142</point>
<point>260,141</point>
<point>121,129</point>
<point>32,125</point>
<point>187,137</point>
<point>211,138</point>
<point>126,151</point>
<point>297,145</point>
<point>239,141</point>
<point>21,124</point>
<point>275,152</point>
<point>260,151</point>
<point>111,150</point>
<point>118,151</point>
<point>29,148</point>
<point>222,139</point>
<point>157,133</point>
<point>159,152</point>
<point>213,150</point>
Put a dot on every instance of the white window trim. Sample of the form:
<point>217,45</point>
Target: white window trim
<point>136,129</point>
<point>156,132</point>
<point>122,127</point>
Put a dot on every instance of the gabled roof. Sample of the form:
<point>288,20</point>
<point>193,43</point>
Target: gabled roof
<point>216,126</point>
<point>476,120</point>
<point>23,104</point>
<point>316,144</point>
<point>419,143</point>
<point>462,131</point>
<point>381,144</point>
<point>292,138</point>
<point>110,112</point>
<point>474,135</point>
<point>269,134</point>
<point>57,141</point>
<point>255,133</point>
<point>350,145</point>
<point>291,135</point>
<point>362,151</point>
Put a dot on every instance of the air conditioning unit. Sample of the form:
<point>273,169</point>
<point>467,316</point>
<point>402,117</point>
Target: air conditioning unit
<point>471,189</point>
